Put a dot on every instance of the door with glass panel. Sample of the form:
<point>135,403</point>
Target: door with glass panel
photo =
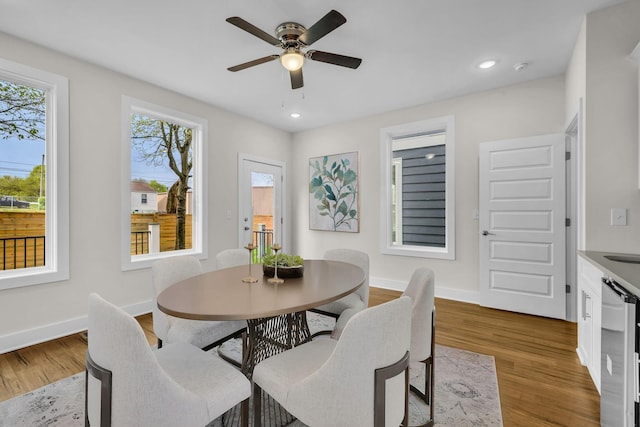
<point>260,204</point>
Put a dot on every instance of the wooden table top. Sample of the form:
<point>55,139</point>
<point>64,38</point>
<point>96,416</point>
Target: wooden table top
<point>221,294</point>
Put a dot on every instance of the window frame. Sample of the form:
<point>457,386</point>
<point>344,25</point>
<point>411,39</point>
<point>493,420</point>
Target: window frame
<point>387,135</point>
<point>56,87</point>
<point>199,225</point>
<point>396,172</point>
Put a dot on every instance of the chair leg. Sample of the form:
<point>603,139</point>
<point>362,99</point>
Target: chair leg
<point>428,380</point>
<point>407,379</point>
<point>86,397</point>
<point>105,378</point>
<point>427,395</point>
<point>244,413</point>
<point>379,393</point>
<point>325,332</point>
<point>238,334</point>
<point>429,376</point>
<point>327,314</point>
<point>257,405</point>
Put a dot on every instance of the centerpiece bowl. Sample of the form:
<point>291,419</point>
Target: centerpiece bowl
<point>289,266</point>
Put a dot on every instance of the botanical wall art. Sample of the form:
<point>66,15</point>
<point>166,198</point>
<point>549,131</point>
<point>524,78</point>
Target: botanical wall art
<point>333,193</point>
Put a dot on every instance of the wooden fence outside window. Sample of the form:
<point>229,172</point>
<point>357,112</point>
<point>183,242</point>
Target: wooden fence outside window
<point>22,236</point>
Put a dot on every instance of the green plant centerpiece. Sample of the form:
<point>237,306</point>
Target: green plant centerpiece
<point>289,266</point>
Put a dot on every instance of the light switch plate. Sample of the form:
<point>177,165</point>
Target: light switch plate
<point>618,216</point>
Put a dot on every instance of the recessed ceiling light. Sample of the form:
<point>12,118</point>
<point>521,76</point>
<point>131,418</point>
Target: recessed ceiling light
<point>295,115</point>
<point>487,64</point>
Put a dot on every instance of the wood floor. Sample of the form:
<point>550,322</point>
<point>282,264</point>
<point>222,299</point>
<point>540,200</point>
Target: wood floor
<point>540,378</point>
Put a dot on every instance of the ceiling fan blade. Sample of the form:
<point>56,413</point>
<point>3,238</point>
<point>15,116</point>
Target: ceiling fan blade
<point>324,26</point>
<point>252,29</point>
<point>296,79</point>
<point>253,63</point>
<point>334,58</point>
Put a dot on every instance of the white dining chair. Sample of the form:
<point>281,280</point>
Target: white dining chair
<point>232,258</point>
<point>357,300</point>
<point>127,383</point>
<point>353,381</point>
<point>421,290</point>
<point>201,333</point>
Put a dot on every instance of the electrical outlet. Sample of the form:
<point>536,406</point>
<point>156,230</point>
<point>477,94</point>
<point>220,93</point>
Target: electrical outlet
<point>618,216</point>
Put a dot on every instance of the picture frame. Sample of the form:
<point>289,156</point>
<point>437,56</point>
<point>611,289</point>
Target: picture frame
<point>334,195</point>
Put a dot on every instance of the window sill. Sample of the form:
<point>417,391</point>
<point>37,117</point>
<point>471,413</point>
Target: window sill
<point>415,251</point>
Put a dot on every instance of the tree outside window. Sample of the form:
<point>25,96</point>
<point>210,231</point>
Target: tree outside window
<point>165,150</point>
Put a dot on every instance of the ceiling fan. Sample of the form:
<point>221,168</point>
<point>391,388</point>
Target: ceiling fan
<point>293,38</point>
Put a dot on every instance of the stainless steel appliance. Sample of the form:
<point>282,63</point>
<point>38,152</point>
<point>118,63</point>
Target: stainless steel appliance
<point>619,403</point>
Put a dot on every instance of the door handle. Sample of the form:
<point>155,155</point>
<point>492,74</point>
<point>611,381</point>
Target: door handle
<point>486,233</point>
<point>246,228</point>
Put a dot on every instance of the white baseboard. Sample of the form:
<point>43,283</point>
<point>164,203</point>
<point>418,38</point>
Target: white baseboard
<point>17,340</point>
<point>441,292</point>
<point>581,357</point>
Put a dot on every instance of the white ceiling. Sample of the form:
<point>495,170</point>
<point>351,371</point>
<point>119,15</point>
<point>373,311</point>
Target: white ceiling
<point>413,51</point>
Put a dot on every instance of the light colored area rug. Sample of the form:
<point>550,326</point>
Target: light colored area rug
<point>466,393</point>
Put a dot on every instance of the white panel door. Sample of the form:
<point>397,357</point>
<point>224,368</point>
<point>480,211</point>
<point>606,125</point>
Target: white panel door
<point>522,225</point>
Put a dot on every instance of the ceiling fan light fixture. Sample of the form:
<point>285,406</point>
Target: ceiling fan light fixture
<point>489,63</point>
<point>292,59</point>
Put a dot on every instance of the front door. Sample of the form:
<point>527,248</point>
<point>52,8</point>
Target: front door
<point>260,204</point>
<point>522,225</point>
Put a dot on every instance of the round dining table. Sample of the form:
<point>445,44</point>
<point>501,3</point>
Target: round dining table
<point>275,312</point>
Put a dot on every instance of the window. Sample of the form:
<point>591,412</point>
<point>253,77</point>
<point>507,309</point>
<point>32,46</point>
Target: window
<point>164,154</point>
<point>396,200</point>
<point>34,176</point>
<point>418,182</point>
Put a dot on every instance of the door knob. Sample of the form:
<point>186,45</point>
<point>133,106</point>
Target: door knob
<point>246,228</point>
<point>486,233</point>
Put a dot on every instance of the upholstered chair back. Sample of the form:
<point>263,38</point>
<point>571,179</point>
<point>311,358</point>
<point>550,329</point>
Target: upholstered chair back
<point>421,291</point>
<point>344,385</point>
<point>139,384</point>
<point>166,272</point>
<point>232,258</point>
<point>359,258</point>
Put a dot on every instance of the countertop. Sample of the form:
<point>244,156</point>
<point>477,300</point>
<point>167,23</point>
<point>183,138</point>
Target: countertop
<point>626,274</point>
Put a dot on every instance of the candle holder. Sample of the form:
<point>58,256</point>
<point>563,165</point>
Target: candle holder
<point>250,279</point>
<point>275,279</point>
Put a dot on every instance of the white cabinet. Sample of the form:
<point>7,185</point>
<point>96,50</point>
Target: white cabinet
<point>589,317</point>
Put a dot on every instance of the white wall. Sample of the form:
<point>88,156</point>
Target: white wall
<point>528,109</point>
<point>40,312</point>
<point>611,128</point>
<point>576,74</point>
